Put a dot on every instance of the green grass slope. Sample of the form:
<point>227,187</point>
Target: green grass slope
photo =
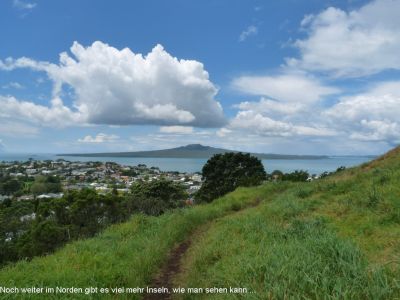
<point>125,255</point>
<point>336,238</point>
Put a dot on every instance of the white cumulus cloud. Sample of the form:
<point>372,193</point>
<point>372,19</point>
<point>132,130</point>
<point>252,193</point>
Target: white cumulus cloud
<point>289,106</point>
<point>372,115</point>
<point>57,114</point>
<point>355,43</point>
<point>119,87</point>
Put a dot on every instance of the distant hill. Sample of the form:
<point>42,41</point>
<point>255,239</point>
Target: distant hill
<point>189,151</point>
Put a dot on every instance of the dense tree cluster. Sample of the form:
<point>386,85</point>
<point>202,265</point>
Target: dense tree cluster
<point>223,173</point>
<point>36,227</point>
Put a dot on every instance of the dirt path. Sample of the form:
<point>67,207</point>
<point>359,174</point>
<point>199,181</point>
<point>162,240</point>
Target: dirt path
<point>168,272</point>
<point>173,265</point>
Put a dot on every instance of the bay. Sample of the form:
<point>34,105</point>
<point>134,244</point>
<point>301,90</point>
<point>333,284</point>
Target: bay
<point>191,165</point>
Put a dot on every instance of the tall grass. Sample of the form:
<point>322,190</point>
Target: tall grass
<point>303,259</point>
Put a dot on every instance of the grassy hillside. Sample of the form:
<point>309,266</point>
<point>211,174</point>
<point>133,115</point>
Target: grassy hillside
<point>336,238</point>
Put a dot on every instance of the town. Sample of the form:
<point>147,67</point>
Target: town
<point>103,177</point>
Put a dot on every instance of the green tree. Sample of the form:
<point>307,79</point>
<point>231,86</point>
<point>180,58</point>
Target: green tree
<point>223,173</point>
<point>155,197</point>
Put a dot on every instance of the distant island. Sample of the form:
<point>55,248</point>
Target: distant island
<point>190,151</point>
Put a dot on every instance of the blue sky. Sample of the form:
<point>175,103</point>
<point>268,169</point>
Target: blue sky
<point>296,77</point>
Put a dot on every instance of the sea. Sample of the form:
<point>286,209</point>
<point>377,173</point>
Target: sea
<point>192,165</point>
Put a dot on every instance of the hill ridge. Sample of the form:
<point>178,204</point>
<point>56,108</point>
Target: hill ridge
<point>191,151</point>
